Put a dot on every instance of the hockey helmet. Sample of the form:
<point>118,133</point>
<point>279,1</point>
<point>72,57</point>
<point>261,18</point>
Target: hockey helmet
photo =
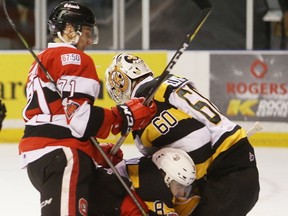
<point>75,14</point>
<point>176,164</point>
<point>123,74</point>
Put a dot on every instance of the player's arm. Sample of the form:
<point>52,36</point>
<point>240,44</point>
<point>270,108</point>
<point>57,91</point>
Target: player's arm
<point>86,120</point>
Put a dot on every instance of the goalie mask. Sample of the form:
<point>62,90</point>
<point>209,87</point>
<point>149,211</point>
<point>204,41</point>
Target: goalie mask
<point>179,168</point>
<point>71,12</point>
<point>125,71</point>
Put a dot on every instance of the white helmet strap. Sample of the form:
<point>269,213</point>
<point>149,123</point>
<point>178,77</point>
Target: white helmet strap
<point>72,42</point>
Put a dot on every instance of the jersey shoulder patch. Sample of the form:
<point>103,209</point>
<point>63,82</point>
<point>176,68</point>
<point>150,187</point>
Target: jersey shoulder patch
<point>70,58</point>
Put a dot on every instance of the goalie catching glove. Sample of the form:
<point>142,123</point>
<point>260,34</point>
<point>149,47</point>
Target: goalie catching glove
<point>132,115</point>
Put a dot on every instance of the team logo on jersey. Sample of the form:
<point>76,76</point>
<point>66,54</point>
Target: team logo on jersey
<point>71,108</point>
<point>251,156</point>
<point>46,202</point>
<point>83,207</point>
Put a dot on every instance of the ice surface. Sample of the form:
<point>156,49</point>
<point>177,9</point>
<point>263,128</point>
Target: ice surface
<point>18,197</point>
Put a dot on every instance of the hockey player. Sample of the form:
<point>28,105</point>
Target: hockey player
<point>2,113</point>
<point>56,146</point>
<point>226,166</point>
<point>169,191</point>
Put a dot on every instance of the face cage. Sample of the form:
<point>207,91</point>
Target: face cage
<point>119,89</point>
<point>95,34</point>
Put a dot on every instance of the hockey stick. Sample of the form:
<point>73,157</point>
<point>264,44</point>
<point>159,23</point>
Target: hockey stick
<point>92,139</point>
<point>256,127</point>
<point>205,7</point>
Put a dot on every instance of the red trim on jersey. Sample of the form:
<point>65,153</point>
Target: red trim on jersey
<point>129,208</point>
<point>34,143</point>
<point>73,183</point>
<point>109,119</point>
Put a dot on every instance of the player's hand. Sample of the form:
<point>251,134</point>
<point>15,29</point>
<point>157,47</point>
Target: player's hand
<point>132,115</point>
<point>115,159</point>
<point>2,113</point>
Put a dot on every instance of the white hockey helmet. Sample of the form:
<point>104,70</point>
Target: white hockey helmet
<point>176,164</point>
<point>122,76</point>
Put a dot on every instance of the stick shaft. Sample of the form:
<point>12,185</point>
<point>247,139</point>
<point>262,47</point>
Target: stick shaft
<point>256,127</point>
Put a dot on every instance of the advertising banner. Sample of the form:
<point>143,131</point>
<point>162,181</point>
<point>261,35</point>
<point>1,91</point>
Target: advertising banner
<point>13,75</point>
<point>250,87</point>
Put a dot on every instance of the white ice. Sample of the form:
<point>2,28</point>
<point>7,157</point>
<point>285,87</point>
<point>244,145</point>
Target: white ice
<point>18,197</point>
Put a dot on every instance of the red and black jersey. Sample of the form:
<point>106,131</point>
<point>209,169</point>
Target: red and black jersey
<point>69,120</point>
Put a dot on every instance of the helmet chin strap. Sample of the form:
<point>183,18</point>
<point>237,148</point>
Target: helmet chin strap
<point>72,42</point>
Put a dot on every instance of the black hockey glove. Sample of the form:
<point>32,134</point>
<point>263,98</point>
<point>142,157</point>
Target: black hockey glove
<point>2,113</point>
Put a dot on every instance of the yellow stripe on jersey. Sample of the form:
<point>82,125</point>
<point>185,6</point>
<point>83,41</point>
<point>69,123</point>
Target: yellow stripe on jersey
<point>133,171</point>
<point>202,168</point>
<point>230,141</point>
<point>185,207</point>
<point>159,95</point>
<point>151,132</point>
<point>159,207</point>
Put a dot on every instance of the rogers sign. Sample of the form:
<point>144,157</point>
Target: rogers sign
<point>252,87</point>
<point>258,70</point>
<point>256,88</point>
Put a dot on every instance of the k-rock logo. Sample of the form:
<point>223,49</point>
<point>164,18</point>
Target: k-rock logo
<point>261,93</point>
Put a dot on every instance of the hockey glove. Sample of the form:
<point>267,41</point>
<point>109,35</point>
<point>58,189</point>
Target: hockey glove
<point>2,113</point>
<point>132,115</point>
<point>115,159</point>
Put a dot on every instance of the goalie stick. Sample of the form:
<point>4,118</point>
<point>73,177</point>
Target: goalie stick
<point>92,139</point>
<point>205,7</point>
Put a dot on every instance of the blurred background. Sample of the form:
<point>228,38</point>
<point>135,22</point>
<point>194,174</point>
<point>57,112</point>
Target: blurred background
<point>158,24</point>
<point>238,59</point>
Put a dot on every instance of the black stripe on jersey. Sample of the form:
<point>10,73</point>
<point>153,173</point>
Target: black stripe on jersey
<point>225,136</point>
<point>152,183</point>
<point>145,88</point>
<point>183,128</point>
<point>95,121</point>
<point>50,96</point>
<point>170,88</point>
<point>237,157</point>
<point>200,155</point>
<point>78,95</point>
<point>48,131</point>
